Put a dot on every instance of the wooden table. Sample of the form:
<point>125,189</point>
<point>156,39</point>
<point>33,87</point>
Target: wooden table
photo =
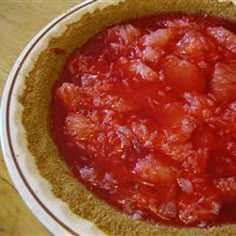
<point>19,21</point>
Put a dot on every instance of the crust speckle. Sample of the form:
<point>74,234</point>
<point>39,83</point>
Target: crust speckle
<point>36,102</point>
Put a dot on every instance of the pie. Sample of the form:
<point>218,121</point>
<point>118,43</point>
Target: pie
<point>140,117</point>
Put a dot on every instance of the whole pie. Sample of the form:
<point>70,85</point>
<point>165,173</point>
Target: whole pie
<point>136,128</point>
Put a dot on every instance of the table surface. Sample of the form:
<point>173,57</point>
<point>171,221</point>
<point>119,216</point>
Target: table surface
<point>19,21</point>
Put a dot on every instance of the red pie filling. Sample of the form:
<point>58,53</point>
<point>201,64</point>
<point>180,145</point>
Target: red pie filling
<point>145,116</point>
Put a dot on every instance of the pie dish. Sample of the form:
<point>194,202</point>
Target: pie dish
<point>26,114</point>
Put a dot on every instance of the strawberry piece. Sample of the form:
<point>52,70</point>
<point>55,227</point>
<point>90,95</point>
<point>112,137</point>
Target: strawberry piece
<point>121,65</point>
<point>201,206</point>
<point>151,55</point>
<point>169,111</point>
<point>152,170</point>
<point>113,102</point>
<point>135,70</point>
<point>227,188</point>
<point>181,132</point>
<point>67,93</point>
<point>143,71</point>
<point>197,47</point>
<point>226,119</point>
<point>73,97</point>
<point>200,107</point>
<point>224,37</point>
<point>79,127</point>
<point>84,67</point>
<point>79,63</point>
<point>181,24</point>
<point>223,84</point>
<point>177,151</point>
<point>121,41</point>
<point>178,126</point>
<point>229,114</point>
<point>146,133</point>
<point>140,129</point>
<point>118,142</point>
<point>197,162</point>
<point>160,38</point>
<point>123,34</point>
<point>183,76</point>
<point>144,198</point>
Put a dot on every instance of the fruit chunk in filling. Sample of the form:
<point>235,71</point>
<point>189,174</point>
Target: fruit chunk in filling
<point>145,116</point>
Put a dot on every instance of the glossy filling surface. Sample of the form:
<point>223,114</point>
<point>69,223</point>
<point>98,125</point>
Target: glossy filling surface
<point>145,116</point>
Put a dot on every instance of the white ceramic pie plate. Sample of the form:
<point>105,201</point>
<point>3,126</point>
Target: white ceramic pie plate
<point>35,190</point>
